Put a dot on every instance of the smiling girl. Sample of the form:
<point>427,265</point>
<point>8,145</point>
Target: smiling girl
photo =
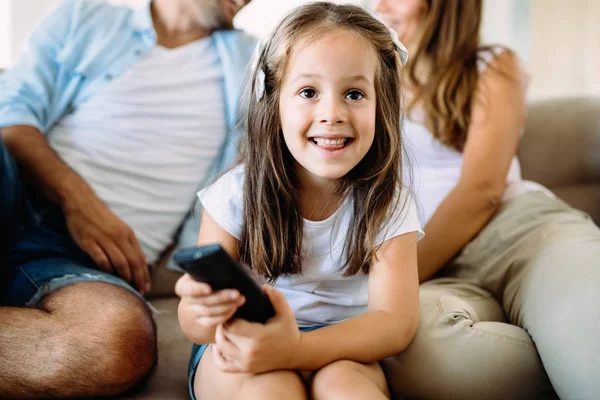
<point>317,209</point>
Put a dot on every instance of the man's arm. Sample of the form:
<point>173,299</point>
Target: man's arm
<point>105,237</point>
<point>27,96</point>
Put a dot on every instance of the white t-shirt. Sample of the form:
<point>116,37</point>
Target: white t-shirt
<point>146,140</point>
<point>321,295</point>
<point>436,168</point>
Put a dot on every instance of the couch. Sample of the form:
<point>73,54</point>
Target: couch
<point>559,149</point>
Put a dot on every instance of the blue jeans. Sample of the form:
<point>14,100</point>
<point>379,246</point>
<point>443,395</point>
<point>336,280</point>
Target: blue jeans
<point>37,253</point>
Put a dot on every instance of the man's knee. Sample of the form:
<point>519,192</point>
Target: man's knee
<point>130,350</point>
<point>110,333</point>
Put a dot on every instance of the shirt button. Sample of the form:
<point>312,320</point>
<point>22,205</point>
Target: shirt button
<point>138,52</point>
<point>108,77</point>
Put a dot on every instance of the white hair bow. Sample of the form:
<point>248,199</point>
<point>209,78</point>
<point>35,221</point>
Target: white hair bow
<point>259,81</point>
<point>400,48</point>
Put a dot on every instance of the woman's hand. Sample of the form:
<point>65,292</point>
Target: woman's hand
<point>205,308</point>
<point>242,346</point>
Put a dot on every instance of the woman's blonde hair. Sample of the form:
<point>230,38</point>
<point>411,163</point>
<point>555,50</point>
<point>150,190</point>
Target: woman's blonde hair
<point>451,46</point>
<point>272,229</point>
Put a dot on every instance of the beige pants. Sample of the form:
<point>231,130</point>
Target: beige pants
<point>515,316</point>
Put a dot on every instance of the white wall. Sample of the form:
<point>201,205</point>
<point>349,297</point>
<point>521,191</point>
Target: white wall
<point>5,33</point>
<point>565,45</point>
<point>17,19</point>
<point>506,22</point>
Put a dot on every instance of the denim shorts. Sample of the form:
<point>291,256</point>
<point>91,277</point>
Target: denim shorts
<point>199,349</point>
<point>44,259</point>
<point>37,253</point>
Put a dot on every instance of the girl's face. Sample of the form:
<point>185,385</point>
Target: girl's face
<point>328,104</point>
<point>404,16</point>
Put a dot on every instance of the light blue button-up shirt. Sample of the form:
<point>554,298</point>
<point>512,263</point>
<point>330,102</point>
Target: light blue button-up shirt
<point>82,45</point>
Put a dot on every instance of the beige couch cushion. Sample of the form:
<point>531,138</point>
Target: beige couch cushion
<point>561,150</point>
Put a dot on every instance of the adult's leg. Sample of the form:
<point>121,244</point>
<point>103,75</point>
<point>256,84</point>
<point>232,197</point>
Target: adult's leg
<point>349,380</point>
<point>210,383</point>
<point>83,340</point>
<point>464,349</point>
<point>541,258</point>
<point>552,289</point>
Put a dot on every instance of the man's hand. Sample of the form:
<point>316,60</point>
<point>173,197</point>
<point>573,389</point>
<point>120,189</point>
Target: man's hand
<point>107,239</point>
<point>100,233</point>
<point>242,346</point>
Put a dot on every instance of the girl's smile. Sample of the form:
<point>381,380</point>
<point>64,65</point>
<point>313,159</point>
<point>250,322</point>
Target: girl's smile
<point>332,145</point>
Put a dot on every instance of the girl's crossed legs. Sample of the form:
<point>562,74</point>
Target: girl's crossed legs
<point>341,379</point>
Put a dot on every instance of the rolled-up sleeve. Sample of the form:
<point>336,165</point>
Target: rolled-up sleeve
<point>28,89</point>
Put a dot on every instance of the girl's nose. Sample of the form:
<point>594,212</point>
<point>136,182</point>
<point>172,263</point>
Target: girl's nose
<point>332,111</point>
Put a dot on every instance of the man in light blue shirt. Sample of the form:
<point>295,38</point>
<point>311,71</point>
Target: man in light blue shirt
<point>110,121</point>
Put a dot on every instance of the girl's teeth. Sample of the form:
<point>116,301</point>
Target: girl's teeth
<point>330,142</point>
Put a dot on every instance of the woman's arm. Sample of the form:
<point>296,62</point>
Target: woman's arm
<point>192,293</point>
<point>497,119</point>
<point>387,328</point>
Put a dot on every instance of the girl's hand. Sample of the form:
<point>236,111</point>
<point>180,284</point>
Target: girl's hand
<point>209,309</point>
<point>242,346</point>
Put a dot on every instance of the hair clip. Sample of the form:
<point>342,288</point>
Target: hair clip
<point>259,81</point>
<point>400,48</point>
<point>259,85</point>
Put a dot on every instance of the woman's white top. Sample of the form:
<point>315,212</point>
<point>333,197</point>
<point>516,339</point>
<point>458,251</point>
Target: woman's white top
<point>320,295</point>
<point>436,168</point>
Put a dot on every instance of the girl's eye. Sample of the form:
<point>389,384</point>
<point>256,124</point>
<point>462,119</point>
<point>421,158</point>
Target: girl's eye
<point>355,95</point>
<point>308,93</point>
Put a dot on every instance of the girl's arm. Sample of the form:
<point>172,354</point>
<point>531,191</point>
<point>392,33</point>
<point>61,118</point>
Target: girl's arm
<point>497,119</point>
<point>387,328</point>
<point>192,293</point>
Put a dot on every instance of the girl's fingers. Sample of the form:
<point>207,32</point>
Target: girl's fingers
<point>216,310</point>
<point>208,322</point>
<point>227,348</point>
<point>186,286</point>
<point>223,363</point>
<point>219,358</point>
<point>222,297</point>
<point>216,320</point>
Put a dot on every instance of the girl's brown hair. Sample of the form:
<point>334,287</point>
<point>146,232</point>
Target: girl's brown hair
<point>272,229</point>
<point>450,47</point>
